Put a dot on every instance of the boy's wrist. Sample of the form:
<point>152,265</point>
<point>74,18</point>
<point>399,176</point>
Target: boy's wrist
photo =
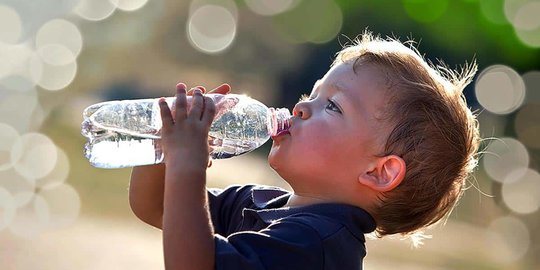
<point>186,171</point>
<point>186,160</point>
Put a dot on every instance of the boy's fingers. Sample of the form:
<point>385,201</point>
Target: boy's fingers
<point>197,105</point>
<point>181,102</point>
<point>209,111</point>
<point>203,89</point>
<point>181,85</point>
<point>222,89</point>
<point>190,92</point>
<point>166,117</point>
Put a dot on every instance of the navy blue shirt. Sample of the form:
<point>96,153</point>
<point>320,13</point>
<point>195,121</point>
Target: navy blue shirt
<point>254,231</point>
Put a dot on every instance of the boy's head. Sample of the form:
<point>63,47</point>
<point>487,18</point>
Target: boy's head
<point>385,131</point>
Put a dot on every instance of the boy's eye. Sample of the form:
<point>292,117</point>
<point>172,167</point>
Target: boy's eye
<point>332,106</point>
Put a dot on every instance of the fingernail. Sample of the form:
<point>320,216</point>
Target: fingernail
<point>181,86</point>
<point>162,102</point>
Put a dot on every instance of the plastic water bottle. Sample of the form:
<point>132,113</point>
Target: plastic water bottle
<point>127,133</point>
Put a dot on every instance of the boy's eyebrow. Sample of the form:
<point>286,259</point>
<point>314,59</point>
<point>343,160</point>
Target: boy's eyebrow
<point>339,88</point>
<point>348,100</point>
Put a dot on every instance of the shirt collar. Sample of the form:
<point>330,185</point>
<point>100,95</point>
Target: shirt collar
<point>270,201</point>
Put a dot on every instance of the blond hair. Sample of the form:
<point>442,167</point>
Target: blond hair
<point>432,129</point>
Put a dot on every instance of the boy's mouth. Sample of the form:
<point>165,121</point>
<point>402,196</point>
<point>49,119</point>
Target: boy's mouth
<point>280,134</point>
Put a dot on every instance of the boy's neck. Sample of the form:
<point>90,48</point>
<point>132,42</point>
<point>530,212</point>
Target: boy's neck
<point>297,200</point>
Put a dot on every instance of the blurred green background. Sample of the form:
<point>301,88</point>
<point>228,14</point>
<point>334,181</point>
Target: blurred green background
<point>58,57</point>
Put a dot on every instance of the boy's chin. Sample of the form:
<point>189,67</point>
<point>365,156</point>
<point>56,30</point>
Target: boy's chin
<point>275,158</point>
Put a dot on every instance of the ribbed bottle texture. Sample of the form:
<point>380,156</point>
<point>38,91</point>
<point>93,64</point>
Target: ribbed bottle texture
<point>127,133</point>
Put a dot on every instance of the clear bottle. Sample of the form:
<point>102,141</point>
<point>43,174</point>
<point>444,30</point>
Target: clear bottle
<point>127,133</point>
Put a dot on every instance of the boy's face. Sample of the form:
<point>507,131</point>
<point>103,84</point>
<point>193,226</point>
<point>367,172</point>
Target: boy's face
<point>334,135</point>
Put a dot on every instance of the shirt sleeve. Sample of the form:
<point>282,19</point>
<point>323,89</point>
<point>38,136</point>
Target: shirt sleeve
<point>285,244</point>
<point>226,207</point>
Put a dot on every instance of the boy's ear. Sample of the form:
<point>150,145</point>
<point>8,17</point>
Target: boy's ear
<point>385,175</point>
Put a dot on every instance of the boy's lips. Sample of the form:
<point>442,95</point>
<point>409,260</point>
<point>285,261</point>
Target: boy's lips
<point>280,134</point>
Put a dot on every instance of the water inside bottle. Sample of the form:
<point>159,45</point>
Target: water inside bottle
<point>122,134</point>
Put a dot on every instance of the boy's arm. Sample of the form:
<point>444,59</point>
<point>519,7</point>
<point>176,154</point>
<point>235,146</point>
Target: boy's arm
<point>188,241</point>
<point>147,183</point>
<point>146,193</point>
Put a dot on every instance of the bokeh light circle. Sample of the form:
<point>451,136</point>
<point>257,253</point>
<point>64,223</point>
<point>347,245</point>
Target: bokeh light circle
<point>34,155</point>
<point>500,89</point>
<point>59,173</point>
<point>21,188</point>
<point>130,5</point>
<point>504,156</point>
<point>60,205</point>
<point>7,208</point>
<point>10,25</point>
<point>8,136</point>
<point>56,55</point>
<point>523,14</point>
<point>61,33</point>
<point>511,7</point>
<point>52,77</point>
<point>211,28</point>
<point>28,223</point>
<point>508,238</point>
<point>522,194</point>
<point>15,59</point>
<point>526,17</point>
<point>96,10</point>
<point>530,38</point>
<point>17,90</point>
<point>5,65</point>
<point>270,7</point>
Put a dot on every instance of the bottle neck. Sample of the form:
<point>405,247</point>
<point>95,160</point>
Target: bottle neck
<point>280,120</point>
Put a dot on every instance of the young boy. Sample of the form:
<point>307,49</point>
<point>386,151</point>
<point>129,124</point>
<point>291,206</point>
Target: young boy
<point>384,142</point>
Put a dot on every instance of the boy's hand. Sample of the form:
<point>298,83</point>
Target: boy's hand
<point>184,137</point>
<point>222,89</point>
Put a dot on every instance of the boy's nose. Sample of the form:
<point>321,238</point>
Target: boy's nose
<point>301,110</point>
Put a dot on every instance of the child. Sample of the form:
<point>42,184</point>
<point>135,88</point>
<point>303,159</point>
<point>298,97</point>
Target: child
<point>384,142</point>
